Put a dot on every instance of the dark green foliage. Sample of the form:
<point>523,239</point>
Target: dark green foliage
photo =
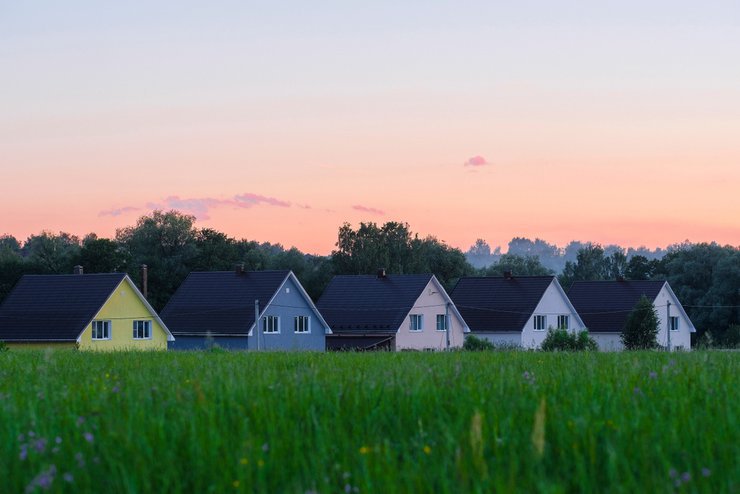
<point>641,268</point>
<point>518,265</point>
<point>102,255</point>
<point>474,344</point>
<point>52,253</point>
<point>567,341</point>
<point>641,329</point>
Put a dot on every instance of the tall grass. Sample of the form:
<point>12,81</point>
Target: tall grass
<point>410,422</point>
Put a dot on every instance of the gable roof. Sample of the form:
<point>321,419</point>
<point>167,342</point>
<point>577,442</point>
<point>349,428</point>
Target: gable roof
<point>54,307</point>
<point>222,300</point>
<point>370,304</point>
<point>499,304</point>
<point>605,306</point>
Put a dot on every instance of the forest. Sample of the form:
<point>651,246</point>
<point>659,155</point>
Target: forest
<point>705,276</point>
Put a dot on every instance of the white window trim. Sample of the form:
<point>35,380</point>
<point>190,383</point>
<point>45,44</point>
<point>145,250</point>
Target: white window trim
<point>151,329</point>
<point>264,319</point>
<point>534,322</point>
<point>110,329</point>
<point>308,330</point>
<point>678,323</point>
<point>446,324</point>
<point>567,320</point>
<point>420,318</point>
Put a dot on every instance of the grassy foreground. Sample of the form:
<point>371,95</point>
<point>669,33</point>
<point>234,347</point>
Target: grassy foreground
<point>409,422</point>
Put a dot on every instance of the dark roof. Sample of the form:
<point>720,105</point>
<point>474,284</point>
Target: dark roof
<point>499,304</point>
<point>605,306</point>
<point>370,304</point>
<point>54,307</point>
<point>220,301</point>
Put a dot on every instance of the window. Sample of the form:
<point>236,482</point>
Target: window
<point>563,322</point>
<point>142,330</point>
<point>302,324</point>
<point>270,324</point>
<point>673,323</point>
<point>540,323</point>
<point>101,330</point>
<point>441,322</point>
<point>417,322</point>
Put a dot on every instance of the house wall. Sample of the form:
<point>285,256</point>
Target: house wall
<point>608,342</point>
<point>680,338</point>
<point>287,304</point>
<point>122,308</point>
<point>501,339</point>
<point>430,303</point>
<point>201,343</point>
<point>553,304</point>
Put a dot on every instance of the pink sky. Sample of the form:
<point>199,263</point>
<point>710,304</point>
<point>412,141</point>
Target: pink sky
<point>614,124</point>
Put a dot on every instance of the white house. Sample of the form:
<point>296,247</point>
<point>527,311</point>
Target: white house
<point>515,310</point>
<point>393,312</point>
<point>606,305</point>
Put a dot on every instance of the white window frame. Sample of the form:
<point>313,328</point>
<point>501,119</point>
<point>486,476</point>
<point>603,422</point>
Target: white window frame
<point>275,329</point>
<point>107,325</point>
<point>296,324</point>
<point>445,322</point>
<point>566,318</point>
<point>419,325</point>
<point>671,321</point>
<point>542,319</point>
<point>147,328</point>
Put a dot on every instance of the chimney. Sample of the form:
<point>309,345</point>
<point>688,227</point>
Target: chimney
<point>144,280</point>
<point>508,275</point>
<point>381,273</point>
<point>77,269</point>
<point>239,268</point>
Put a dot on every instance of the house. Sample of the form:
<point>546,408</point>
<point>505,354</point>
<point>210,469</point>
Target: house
<point>219,307</point>
<point>391,312</point>
<point>606,305</point>
<point>515,310</point>
<point>88,311</point>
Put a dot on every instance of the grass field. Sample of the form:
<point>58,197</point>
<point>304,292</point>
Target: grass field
<point>408,422</point>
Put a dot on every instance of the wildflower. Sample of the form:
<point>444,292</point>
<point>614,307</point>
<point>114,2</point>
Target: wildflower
<point>24,452</point>
<point>80,460</point>
<point>706,472</point>
<point>364,450</point>
<point>347,488</point>
<point>427,449</point>
<point>653,375</point>
<point>260,463</point>
<point>80,421</point>
<point>58,440</point>
<point>40,445</point>
<point>265,447</point>
<point>686,476</point>
<point>673,473</point>
<point>244,461</point>
<point>89,437</point>
<point>21,438</point>
<point>235,484</point>
<point>68,477</point>
<point>43,479</point>
<point>637,391</point>
<point>31,434</point>
<point>114,389</point>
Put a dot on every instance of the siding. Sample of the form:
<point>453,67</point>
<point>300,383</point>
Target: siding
<point>122,308</point>
<point>552,305</point>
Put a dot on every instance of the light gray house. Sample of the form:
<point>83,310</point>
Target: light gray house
<point>218,308</point>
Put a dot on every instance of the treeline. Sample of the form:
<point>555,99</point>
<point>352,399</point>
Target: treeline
<point>705,277</point>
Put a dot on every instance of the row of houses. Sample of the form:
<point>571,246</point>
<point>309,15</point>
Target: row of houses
<point>270,310</point>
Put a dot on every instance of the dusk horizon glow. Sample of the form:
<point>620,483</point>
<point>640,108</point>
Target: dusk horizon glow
<point>614,124</point>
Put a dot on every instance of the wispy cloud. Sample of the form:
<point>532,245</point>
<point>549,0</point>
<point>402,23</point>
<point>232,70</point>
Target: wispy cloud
<point>201,207</point>
<point>476,161</point>
<point>118,211</point>
<point>366,209</point>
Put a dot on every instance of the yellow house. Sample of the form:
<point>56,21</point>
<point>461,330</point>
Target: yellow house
<point>88,311</point>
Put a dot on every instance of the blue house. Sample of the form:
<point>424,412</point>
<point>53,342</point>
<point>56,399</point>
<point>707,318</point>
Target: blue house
<point>219,307</point>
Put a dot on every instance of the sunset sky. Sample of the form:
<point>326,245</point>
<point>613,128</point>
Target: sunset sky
<point>279,121</point>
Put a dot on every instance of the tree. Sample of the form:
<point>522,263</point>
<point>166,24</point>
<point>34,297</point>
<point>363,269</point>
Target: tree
<point>215,251</point>
<point>641,330</point>
<point>640,268</point>
<point>10,248</point>
<point>52,253</point>
<point>591,264</point>
<point>102,255</point>
<point>518,265</point>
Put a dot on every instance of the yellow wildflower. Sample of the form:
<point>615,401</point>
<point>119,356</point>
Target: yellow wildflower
<point>364,450</point>
<point>427,449</point>
<point>244,461</point>
<point>235,484</point>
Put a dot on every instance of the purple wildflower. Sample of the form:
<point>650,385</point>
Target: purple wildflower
<point>115,389</point>
<point>21,438</point>
<point>347,488</point>
<point>706,472</point>
<point>685,477</point>
<point>68,477</point>
<point>89,437</point>
<point>637,391</point>
<point>43,479</point>
<point>80,460</point>
<point>673,473</point>
<point>31,434</point>
<point>80,421</point>
<point>40,445</point>
<point>653,375</point>
<point>58,440</point>
<point>265,447</point>
<point>24,452</point>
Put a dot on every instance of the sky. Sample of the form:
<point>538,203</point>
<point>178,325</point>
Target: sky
<point>610,121</point>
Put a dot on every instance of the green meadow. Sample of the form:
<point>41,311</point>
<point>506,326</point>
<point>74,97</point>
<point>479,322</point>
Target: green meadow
<point>384,422</point>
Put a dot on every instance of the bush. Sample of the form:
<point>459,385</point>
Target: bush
<point>641,330</point>
<point>566,341</point>
<point>3,346</point>
<point>475,344</point>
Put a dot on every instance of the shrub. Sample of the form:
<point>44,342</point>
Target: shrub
<point>475,344</point>
<point>566,341</point>
<point>3,346</point>
<point>641,330</point>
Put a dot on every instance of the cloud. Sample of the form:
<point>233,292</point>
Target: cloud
<point>201,207</point>
<point>366,209</point>
<point>118,211</point>
<point>476,161</point>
